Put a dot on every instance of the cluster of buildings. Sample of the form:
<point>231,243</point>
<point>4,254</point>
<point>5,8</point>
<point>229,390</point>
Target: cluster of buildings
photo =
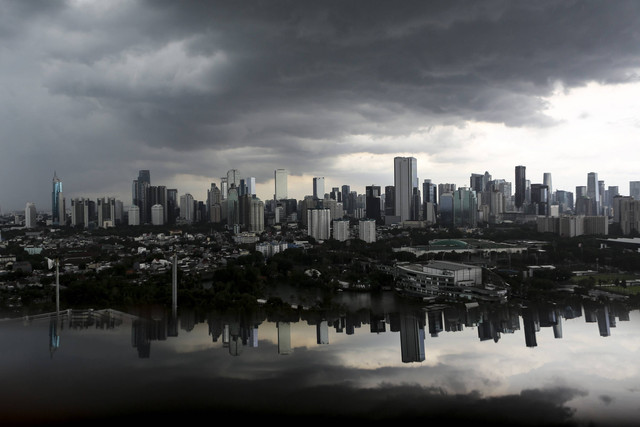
<point>331,214</point>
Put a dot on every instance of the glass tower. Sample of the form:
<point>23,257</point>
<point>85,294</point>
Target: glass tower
<point>56,201</point>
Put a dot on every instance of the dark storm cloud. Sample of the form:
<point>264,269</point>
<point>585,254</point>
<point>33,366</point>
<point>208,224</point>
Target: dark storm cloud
<point>448,61</point>
<point>290,80</point>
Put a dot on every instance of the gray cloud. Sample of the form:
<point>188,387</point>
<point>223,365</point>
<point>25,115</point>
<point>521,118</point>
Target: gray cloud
<point>90,87</point>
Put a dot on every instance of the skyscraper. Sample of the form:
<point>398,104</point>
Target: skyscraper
<point>372,206</point>
<point>318,187</point>
<point>140,195</point>
<point>521,185</point>
<point>593,190</point>
<point>280,177</point>
<point>405,179</point>
<point>57,202</point>
<point>546,180</point>
<point>634,189</point>
<point>30,215</point>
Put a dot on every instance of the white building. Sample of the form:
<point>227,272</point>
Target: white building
<point>134,215</point>
<point>157,215</point>
<point>341,230</point>
<point>186,207</point>
<point>319,223</point>
<point>367,230</point>
<point>280,177</point>
<point>30,215</point>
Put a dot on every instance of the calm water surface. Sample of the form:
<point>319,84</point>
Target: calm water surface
<point>374,359</point>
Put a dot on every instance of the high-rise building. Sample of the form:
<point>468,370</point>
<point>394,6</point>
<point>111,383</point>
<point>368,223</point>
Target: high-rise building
<point>521,186</point>
<point>593,190</point>
<point>141,196</point>
<point>187,211</point>
<point>634,189</point>
<point>367,230</point>
<point>540,198</point>
<point>233,178</point>
<point>157,215</point>
<point>281,190</point>
<point>546,180</point>
<point>465,208</point>
<point>318,187</point>
<point>319,223</point>
<point>57,202</point>
<point>134,215</point>
<point>341,229</point>
<point>106,208</point>
<point>30,215</point>
<point>405,181</point>
<point>389,201</point>
<point>256,216</point>
<point>346,200</point>
<point>372,207</point>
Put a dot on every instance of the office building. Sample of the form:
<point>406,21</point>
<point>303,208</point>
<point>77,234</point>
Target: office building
<point>389,201</point>
<point>157,215</point>
<point>405,182</point>
<point>233,178</point>
<point>319,223</point>
<point>187,208</point>
<point>367,230</point>
<point>634,189</point>
<point>593,190</point>
<point>140,195</point>
<point>465,208</point>
<point>134,215</point>
<point>521,186</point>
<point>318,187</point>
<point>546,180</point>
<point>57,202</point>
<point>106,208</point>
<point>341,230</point>
<point>256,216</point>
<point>373,201</point>
<point>281,187</point>
<point>30,215</point>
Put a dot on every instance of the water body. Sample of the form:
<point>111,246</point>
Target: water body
<point>373,359</point>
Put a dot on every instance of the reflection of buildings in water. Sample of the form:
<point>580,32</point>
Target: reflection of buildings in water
<point>284,338</point>
<point>54,338</point>
<point>490,320</point>
<point>435,322</point>
<point>322,332</point>
<point>412,337</point>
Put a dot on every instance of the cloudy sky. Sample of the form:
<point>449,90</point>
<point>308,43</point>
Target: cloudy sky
<point>97,90</point>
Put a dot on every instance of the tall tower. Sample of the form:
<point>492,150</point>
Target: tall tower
<point>57,201</point>
<point>546,180</point>
<point>280,177</point>
<point>372,206</point>
<point>140,195</point>
<point>318,187</point>
<point>405,178</point>
<point>521,185</point>
<point>593,190</point>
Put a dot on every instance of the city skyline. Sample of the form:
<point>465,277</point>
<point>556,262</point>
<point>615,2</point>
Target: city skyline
<point>98,91</point>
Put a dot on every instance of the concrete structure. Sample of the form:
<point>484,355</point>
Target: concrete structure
<point>157,215</point>
<point>134,215</point>
<point>318,187</point>
<point>367,230</point>
<point>30,215</point>
<point>341,230</point>
<point>319,223</point>
<point>405,181</point>
<point>280,177</point>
